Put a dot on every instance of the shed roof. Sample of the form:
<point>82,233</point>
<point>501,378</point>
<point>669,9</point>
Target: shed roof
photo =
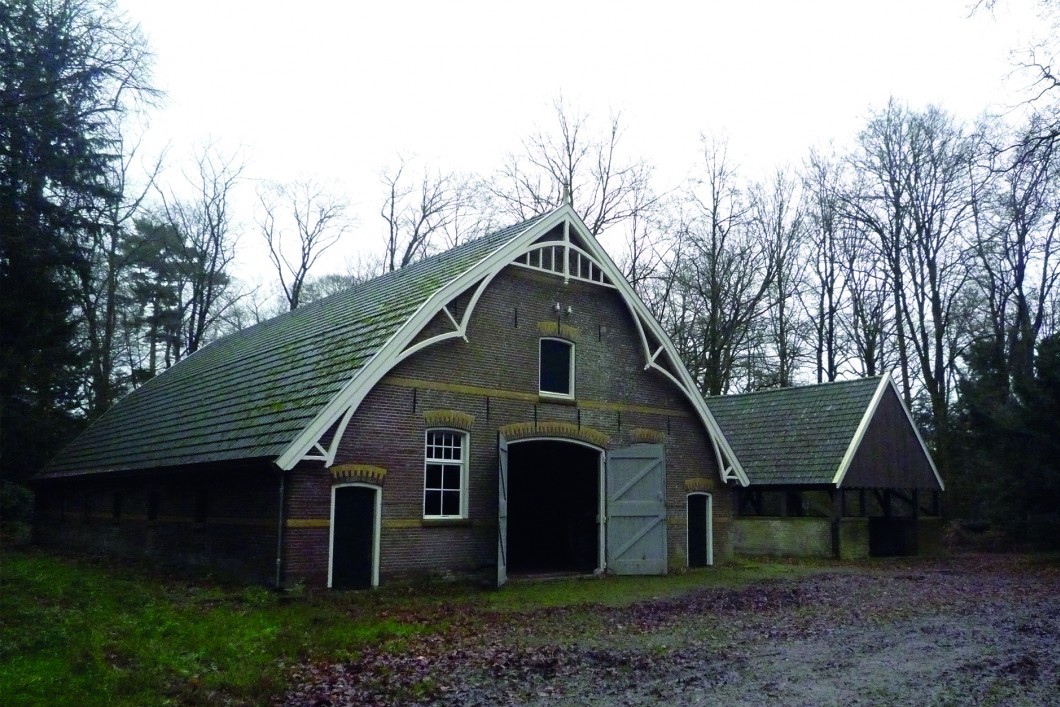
<point>795,436</point>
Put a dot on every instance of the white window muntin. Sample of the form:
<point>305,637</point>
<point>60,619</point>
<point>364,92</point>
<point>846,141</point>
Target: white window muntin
<point>445,474</point>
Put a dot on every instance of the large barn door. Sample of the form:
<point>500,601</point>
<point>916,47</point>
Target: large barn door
<point>636,510</point>
<point>502,510</point>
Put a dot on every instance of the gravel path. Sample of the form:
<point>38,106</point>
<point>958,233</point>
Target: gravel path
<point>971,630</point>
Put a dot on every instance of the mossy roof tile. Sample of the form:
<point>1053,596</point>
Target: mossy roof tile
<point>249,394</point>
<point>794,436</point>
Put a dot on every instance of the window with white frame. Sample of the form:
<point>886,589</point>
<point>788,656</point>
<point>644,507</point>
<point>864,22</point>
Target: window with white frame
<point>445,474</point>
<point>557,368</point>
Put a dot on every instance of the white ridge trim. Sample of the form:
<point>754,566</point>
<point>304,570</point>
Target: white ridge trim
<point>859,434</point>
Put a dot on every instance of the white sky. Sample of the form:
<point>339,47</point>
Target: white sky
<point>336,90</point>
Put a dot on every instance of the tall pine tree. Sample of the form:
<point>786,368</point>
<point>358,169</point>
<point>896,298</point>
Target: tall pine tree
<point>69,70</point>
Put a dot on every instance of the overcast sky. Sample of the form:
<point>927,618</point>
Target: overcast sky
<point>336,90</point>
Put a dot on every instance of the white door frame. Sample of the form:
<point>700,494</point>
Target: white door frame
<point>376,526</point>
<point>710,527</point>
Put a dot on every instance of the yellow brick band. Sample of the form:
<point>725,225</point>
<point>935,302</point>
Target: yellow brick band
<point>416,384</point>
<point>403,523</point>
<point>699,483</point>
<point>308,523</point>
<point>74,516</point>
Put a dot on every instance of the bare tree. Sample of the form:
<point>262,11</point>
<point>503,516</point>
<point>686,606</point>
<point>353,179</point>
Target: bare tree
<point>1017,227</point>
<point>1036,70</point>
<point>721,275</point>
<point>913,195</point>
<point>878,202</point>
<point>937,253</point>
<point>203,222</point>
<point>868,319</point>
<point>318,219</point>
<point>779,224</point>
<point>425,210</point>
<point>824,230</point>
<point>574,163</point>
<point>103,287</point>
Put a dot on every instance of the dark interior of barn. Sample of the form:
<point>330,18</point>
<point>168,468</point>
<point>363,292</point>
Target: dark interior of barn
<point>553,498</point>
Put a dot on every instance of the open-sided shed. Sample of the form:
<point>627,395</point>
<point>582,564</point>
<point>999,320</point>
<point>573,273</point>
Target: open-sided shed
<point>837,469</point>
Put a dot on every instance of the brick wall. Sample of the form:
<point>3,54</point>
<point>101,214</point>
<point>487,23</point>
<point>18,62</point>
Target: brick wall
<point>222,521</point>
<point>785,537</point>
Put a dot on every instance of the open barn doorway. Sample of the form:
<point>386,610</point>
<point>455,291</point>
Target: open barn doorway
<point>554,496</point>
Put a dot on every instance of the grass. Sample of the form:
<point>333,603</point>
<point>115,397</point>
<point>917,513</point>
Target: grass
<point>617,591</point>
<point>79,633</point>
<point>86,633</point>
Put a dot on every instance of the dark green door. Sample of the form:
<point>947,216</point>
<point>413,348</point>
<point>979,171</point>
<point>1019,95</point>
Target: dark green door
<point>698,530</point>
<point>353,538</point>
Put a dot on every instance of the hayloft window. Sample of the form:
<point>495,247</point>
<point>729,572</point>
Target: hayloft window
<point>557,368</point>
<point>445,474</point>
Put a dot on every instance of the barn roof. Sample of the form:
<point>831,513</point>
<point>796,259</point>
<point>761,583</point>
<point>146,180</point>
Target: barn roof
<point>272,392</point>
<point>248,394</point>
<point>807,435</point>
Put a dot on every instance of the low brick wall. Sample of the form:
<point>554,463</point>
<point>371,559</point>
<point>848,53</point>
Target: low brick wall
<point>853,538</point>
<point>785,537</point>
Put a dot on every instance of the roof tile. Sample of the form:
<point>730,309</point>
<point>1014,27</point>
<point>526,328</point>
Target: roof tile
<point>249,394</point>
<point>794,435</point>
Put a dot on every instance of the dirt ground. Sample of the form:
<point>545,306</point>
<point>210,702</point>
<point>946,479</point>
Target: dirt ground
<point>968,630</point>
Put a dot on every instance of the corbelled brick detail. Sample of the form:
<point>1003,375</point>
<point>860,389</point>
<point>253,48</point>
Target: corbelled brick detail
<point>449,418</point>
<point>559,330</point>
<point>555,428</point>
<point>699,483</point>
<point>358,472</point>
<point>647,436</point>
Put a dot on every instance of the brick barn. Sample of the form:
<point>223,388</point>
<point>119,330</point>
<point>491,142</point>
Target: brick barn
<point>508,406</point>
<point>834,470</point>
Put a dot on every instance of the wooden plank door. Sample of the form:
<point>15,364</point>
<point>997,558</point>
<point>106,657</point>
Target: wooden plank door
<point>636,510</point>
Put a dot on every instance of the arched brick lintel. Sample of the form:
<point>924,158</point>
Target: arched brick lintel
<point>557,429</point>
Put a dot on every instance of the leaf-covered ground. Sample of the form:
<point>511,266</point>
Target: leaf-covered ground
<point>970,630</point>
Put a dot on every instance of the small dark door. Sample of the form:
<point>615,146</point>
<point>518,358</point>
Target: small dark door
<point>353,538</point>
<point>698,530</point>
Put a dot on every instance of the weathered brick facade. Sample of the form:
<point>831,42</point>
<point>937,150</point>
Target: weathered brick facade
<point>493,378</point>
